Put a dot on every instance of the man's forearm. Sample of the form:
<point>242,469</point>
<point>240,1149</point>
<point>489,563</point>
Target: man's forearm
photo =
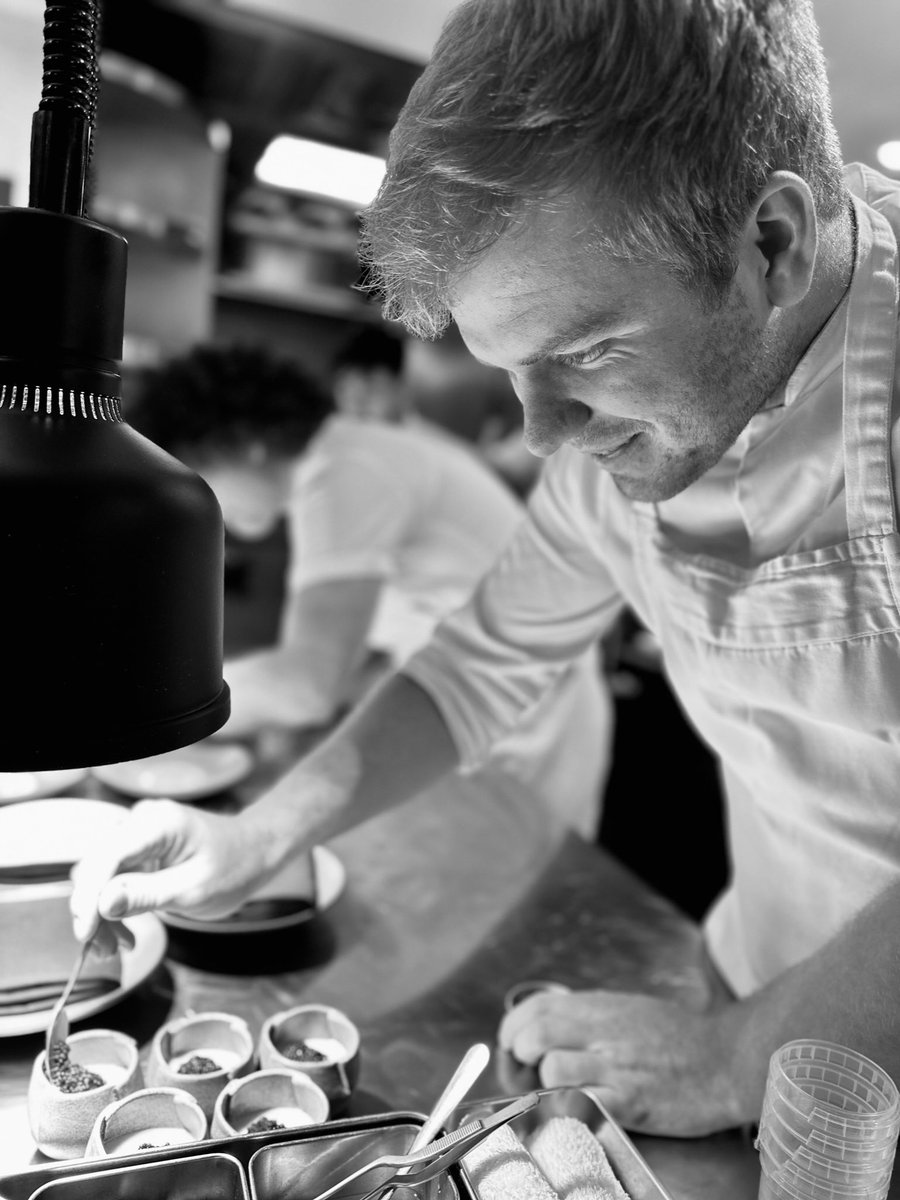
<point>386,751</point>
<point>846,993</point>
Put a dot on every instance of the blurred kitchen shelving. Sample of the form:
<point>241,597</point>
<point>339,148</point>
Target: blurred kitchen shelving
<point>157,178</point>
<point>291,252</point>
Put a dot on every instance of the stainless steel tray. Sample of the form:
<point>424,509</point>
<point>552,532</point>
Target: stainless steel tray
<point>302,1170</point>
<point>629,1166</point>
<point>204,1177</point>
<point>292,1164</point>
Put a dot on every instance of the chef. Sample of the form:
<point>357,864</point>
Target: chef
<point>638,210</point>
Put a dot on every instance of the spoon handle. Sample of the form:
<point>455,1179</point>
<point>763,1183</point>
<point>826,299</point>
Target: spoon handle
<point>471,1065</point>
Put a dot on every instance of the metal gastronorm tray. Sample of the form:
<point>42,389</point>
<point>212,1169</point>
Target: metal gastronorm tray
<point>627,1163</point>
<point>287,1164</point>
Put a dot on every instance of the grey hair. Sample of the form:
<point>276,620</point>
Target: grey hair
<point>665,116</point>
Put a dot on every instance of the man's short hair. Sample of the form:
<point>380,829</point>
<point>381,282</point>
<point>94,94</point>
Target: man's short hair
<point>669,114</point>
<point>368,349</point>
<point>216,399</point>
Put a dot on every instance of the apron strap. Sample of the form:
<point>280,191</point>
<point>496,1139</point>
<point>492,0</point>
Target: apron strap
<point>869,353</point>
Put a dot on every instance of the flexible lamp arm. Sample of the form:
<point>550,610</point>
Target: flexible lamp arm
<point>62,126</point>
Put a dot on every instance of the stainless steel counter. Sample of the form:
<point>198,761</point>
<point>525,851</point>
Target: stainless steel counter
<point>449,901</point>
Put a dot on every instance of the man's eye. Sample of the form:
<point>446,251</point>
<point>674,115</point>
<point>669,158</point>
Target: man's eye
<point>584,358</point>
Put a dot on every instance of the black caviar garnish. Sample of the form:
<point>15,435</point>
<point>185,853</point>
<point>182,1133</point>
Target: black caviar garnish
<point>198,1064</point>
<point>301,1052</point>
<point>69,1077</point>
<point>264,1125</point>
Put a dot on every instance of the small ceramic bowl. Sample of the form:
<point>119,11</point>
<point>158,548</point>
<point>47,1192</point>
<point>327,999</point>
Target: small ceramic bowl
<point>61,1122</point>
<point>273,1099</point>
<point>318,1040</point>
<point>183,1051</point>
<point>147,1120</point>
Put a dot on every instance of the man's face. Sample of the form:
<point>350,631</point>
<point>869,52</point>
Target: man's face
<point>617,360</point>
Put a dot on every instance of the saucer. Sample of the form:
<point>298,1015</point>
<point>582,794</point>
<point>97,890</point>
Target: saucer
<point>138,964</point>
<point>189,773</point>
<point>54,832</point>
<point>29,785</point>
<point>292,898</point>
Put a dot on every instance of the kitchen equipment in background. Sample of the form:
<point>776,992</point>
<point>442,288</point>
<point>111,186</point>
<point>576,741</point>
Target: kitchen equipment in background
<point>112,551</point>
<point>188,773</point>
<point>829,1125</point>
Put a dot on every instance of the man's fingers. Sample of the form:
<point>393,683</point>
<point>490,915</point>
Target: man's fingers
<point>110,938</point>
<point>142,839</point>
<point>540,1023</point>
<point>570,1068</point>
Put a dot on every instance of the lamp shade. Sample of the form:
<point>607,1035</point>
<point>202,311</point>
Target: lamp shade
<point>111,551</point>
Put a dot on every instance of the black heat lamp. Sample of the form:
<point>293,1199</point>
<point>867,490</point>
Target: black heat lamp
<point>111,551</point>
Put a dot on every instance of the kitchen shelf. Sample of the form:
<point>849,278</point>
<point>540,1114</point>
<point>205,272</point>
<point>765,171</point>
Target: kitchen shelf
<point>327,301</point>
<point>292,233</point>
<point>142,225</point>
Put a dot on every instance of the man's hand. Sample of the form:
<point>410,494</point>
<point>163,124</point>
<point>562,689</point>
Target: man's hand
<point>657,1067</point>
<point>165,855</point>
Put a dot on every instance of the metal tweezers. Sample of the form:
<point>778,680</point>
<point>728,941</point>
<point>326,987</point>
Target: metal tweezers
<point>412,1170</point>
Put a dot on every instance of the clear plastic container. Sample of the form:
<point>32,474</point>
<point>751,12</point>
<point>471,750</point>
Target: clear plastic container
<point>852,1176</point>
<point>829,1125</point>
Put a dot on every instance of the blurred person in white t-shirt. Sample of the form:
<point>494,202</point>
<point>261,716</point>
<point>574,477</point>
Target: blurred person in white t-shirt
<point>391,522</point>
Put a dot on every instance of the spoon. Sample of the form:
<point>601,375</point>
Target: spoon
<point>58,1029</point>
<point>471,1065</point>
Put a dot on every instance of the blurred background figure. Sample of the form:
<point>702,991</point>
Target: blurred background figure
<point>389,527</point>
<point>367,381</point>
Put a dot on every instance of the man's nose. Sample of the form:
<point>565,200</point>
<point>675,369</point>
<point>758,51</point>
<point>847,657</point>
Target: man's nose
<point>550,420</point>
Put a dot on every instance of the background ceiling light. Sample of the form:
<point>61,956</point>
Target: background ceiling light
<point>301,165</point>
<point>888,154</point>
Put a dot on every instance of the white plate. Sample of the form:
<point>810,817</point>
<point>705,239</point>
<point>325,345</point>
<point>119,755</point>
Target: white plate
<point>58,830</point>
<point>28,785</point>
<point>293,883</point>
<point>189,773</point>
<point>137,965</point>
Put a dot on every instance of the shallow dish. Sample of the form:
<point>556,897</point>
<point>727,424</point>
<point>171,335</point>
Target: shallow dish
<point>298,893</point>
<point>29,785</point>
<point>48,836</point>
<point>136,965</point>
<point>189,773</point>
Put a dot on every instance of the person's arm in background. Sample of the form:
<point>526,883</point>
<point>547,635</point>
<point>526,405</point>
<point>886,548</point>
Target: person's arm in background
<point>400,738</point>
<point>304,680</point>
<point>177,856</point>
<point>661,1068</point>
<point>346,517</point>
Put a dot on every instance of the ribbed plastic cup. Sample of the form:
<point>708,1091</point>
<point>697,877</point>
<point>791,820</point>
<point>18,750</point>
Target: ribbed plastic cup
<point>829,1125</point>
<point>852,1177</point>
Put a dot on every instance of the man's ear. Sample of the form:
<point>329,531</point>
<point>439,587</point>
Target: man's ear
<point>781,237</point>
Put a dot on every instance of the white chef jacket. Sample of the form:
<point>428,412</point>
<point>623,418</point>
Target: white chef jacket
<point>770,585</point>
<point>415,507</point>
